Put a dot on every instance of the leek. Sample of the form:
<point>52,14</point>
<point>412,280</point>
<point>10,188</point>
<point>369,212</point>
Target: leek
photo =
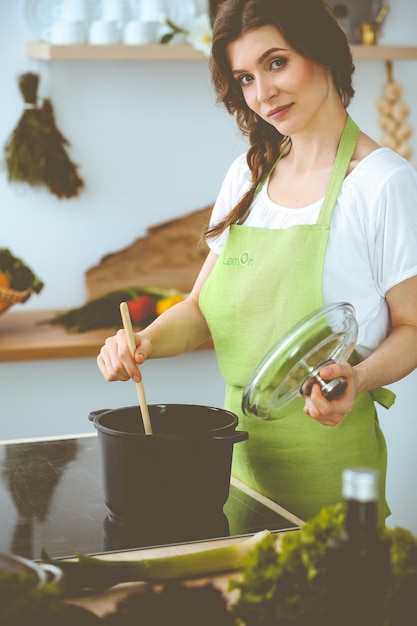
<point>90,572</point>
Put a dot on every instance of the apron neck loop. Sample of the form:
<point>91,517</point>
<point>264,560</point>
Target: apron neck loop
<point>344,154</point>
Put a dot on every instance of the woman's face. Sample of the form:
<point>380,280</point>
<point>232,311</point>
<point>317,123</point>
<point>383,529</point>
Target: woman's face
<point>284,88</point>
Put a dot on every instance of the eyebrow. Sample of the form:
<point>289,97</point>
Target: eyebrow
<point>262,58</point>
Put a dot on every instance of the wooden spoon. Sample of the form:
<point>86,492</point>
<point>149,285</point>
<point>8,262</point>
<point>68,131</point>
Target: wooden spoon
<point>127,325</point>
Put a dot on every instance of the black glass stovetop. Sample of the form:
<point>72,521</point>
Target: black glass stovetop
<point>51,497</point>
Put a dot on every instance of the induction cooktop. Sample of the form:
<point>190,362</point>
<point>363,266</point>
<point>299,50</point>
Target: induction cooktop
<point>51,497</point>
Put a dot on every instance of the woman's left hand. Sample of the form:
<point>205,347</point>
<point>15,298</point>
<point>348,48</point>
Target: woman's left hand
<point>331,412</point>
<point>394,358</point>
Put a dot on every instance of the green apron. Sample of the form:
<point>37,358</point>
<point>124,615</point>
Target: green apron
<point>263,282</point>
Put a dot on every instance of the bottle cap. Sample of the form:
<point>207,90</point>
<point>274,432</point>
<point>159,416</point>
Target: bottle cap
<point>360,483</point>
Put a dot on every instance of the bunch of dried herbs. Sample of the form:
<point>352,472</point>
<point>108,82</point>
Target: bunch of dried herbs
<point>36,152</point>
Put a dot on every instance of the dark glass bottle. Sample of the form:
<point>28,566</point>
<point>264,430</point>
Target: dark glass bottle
<point>359,560</point>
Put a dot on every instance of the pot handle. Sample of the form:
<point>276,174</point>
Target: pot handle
<point>238,435</point>
<point>53,573</point>
<point>94,414</point>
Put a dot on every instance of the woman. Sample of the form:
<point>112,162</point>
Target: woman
<point>316,212</point>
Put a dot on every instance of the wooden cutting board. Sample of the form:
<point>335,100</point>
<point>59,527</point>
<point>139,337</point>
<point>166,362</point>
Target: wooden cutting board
<point>168,257</point>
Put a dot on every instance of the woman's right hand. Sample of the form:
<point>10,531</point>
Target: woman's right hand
<point>179,329</point>
<point>115,360</point>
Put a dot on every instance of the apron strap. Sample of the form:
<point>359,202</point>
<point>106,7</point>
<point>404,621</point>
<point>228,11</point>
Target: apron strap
<point>383,396</point>
<point>344,154</point>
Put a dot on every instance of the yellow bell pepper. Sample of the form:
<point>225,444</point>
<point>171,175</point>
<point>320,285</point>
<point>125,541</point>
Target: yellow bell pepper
<point>166,303</point>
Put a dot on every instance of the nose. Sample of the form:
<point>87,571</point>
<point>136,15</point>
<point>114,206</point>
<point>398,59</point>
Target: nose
<point>266,89</point>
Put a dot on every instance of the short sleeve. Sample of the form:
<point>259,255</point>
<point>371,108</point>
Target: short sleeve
<point>235,184</point>
<point>394,249</point>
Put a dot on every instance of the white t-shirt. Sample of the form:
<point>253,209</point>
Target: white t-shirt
<point>373,235</point>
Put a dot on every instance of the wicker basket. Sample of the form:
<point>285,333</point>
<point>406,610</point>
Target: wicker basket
<point>9,297</point>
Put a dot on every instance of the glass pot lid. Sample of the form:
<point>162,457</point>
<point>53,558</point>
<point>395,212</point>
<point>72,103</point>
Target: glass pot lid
<point>291,366</point>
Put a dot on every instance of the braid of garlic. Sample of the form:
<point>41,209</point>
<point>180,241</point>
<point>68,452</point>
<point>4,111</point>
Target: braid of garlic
<point>393,112</point>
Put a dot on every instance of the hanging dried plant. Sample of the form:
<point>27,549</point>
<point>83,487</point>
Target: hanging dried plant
<point>393,113</point>
<point>36,152</point>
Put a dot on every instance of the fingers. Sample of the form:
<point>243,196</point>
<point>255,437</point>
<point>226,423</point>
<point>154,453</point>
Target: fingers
<point>320,409</point>
<point>115,360</point>
<point>331,412</point>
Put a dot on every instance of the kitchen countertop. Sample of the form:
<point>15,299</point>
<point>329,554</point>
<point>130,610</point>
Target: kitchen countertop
<point>24,336</point>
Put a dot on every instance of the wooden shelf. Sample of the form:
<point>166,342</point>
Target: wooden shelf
<point>383,53</point>
<point>26,336</point>
<point>118,52</point>
<point>183,52</point>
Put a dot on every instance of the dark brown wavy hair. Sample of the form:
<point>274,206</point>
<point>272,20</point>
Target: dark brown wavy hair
<point>310,28</point>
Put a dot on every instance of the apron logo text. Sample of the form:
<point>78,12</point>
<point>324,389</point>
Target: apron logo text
<point>242,259</point>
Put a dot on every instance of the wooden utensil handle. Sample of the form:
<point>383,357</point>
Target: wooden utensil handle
<point>127,325</point>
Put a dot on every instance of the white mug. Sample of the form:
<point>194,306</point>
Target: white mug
<point>63,32</point>
<point>114,10</point>
<point>102,32</point>
<point>151,10</point>
<point>140,33</point>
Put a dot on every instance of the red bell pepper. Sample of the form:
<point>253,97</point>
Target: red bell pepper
<point>140,308</point>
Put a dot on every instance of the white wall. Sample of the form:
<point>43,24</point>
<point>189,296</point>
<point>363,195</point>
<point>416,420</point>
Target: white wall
<point>151,145</point>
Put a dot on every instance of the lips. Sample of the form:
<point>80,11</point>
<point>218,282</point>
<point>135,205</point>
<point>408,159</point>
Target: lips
<point>277,112</point>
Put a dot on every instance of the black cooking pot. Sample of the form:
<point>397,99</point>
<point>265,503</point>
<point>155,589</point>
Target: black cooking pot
<point>181,470</point>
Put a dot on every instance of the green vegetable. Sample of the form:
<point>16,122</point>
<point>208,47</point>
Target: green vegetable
<point>402,593</point>
<point>19,274</point>
<point>23,603</point>
<point>288,586</point>
<point>104,312</point>
<point>95,573</point>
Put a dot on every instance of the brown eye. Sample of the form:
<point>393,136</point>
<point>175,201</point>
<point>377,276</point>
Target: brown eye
<point>244,80</point>
<point>277,64</point>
